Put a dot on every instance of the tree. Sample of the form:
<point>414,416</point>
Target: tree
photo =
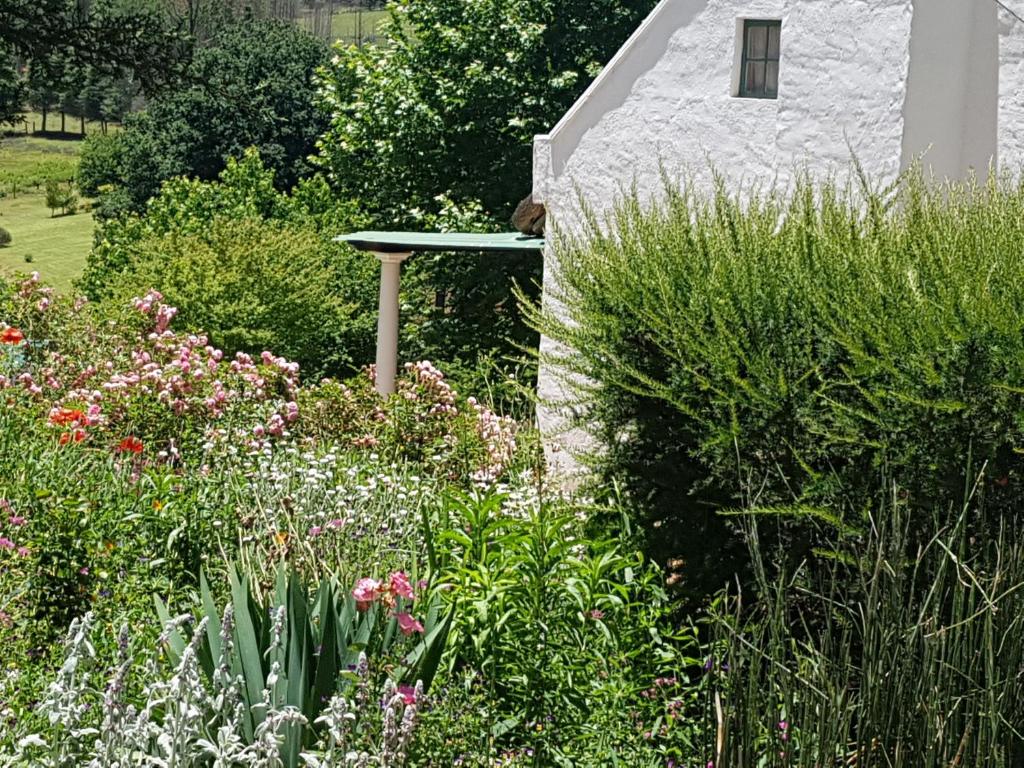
<point>12,90</point>
<point>439,118</point>
<point>60,196</point>
<point>450,100</point>
<point>109,34</point>
<point>254,86</point>
<point>44,85</point>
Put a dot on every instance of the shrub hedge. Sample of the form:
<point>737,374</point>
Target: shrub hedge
<point>786,350</point>
<point>254,285</point>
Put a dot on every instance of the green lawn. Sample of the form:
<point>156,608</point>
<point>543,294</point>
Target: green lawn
<point>350,26</point>
<point>58,246</point>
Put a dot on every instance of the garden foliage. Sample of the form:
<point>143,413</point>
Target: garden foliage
<point>291,652</point>
<point>247,265</point>
<point>786,351</point>
<point>902,650</point>
<point>138,457</point>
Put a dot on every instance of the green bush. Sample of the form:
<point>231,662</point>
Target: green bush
<point>99,163</point>
<point>783,351</point>
<point>254,286</point>
<point>62,196</point>
<point>5,237</point>
<point>565,633</point>
<point>252,85</point>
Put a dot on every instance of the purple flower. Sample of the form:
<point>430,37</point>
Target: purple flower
<point>6,543</point>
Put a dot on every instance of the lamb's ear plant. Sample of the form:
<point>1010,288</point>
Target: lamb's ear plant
<point>304,647</point>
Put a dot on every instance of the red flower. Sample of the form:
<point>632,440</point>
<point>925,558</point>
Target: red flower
<point>66,416</point>
<point>11,336</point>
<point>76,436</point>
<point>130,444</point>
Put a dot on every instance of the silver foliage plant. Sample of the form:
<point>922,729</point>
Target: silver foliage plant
<point>181,721</point>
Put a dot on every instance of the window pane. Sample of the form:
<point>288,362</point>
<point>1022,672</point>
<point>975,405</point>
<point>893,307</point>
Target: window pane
<point>773,41</point>
<point>755,77</point>
<point>771,78</point>
<point>757,42</point>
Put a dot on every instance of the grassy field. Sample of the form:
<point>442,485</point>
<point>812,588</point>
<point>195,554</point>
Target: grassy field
<point>72,125</point>
<point>58,246</point>
<point>355,27</point>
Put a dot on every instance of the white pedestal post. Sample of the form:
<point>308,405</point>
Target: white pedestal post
<point>387,320</point>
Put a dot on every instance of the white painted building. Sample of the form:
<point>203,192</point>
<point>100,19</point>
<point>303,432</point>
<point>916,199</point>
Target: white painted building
<point>760,89</point>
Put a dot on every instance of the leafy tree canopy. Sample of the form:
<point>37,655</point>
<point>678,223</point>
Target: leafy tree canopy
<point>450,100</point>
<point>252,87</point>
<point>12,90</point>
<point>107,34</point>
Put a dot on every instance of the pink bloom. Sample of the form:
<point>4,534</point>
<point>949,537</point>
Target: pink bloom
<point>400,585</point>
<point>16,520</point>
<point>408,624</point>
<point>23,552</point>
<point>315,531</point>
<point>408,694</point>
<point>366,591</point>
<point>336,523</point>
<point>596,614</point>
<point>6,543</point>
<point>84,571</point>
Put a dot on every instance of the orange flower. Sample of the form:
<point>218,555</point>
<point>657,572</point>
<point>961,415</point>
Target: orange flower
<point>11,336</point>
<point>65,416</point>
<point>76,436</point>
<point>130,444</point>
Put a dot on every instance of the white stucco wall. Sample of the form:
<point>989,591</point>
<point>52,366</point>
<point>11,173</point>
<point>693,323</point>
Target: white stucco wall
<point>847,81</point>
<point>1011,89</point>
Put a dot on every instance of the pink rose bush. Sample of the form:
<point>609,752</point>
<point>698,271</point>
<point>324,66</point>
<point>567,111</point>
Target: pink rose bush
<point>97,383</point>
<point>425,421</point>
<point>141,379</point>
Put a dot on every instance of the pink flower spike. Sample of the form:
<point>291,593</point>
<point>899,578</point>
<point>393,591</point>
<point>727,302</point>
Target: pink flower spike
<point>366,591</point>
<point>400,585</point>
<point>408,624</point>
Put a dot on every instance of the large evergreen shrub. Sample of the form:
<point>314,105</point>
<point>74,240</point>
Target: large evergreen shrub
<point>783,350</point>
<point>253,285</point>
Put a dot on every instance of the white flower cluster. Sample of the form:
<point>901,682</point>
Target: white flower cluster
<point>185,720</point>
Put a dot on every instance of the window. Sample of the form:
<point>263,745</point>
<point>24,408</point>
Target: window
<point>759,66</point>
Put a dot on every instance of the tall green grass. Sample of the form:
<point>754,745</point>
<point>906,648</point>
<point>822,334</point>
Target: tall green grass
<point>788,349</point>
<point>902,649</point>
